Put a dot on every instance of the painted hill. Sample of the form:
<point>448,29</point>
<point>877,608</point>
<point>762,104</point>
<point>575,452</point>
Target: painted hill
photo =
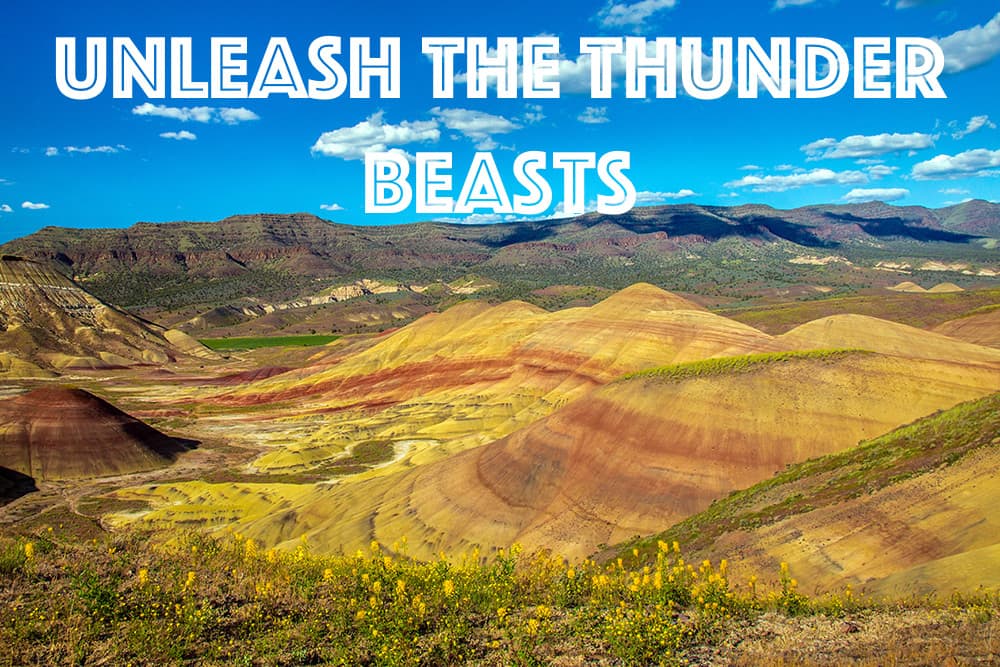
<point>49,322</point>
<point>56,433</point>
<point>908,286</point>
<point>906,513</point>
<point>634,456</point>
<point>981,327</point>
<point>870,333</point>
<point>476,372</point>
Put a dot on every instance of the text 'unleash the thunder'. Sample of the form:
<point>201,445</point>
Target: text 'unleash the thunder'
<point>530,67</point>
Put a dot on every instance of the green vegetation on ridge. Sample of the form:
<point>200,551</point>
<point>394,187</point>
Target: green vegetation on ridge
<point>738,364</point>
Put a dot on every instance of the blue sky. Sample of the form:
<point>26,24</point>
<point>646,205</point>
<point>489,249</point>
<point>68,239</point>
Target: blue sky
<point>110,162</point>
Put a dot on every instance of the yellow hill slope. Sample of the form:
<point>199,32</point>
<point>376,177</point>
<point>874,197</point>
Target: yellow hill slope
<point>476,373</point>
<point>632,457</point>
<point>979,328</point>
<point>907,513</point>
<point>871,333</point>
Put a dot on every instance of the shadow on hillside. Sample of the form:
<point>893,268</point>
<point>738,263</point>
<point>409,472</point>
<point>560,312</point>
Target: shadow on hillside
<point>900,227</point>
<point>14,484</point>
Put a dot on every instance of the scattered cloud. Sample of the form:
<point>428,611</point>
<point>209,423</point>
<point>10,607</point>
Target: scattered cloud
<point>179,136</point>
<point>751,167</point>
<point>594,115</point>
<point>373,134</point>
<point>858,195</point>
<point>646,197</point>
<point>880,170</point>
<point>978,162</point>
<point>235,115</point>
<point>774,183</point>
<point>227,115</point>
<point>478,126</point>
<point>484,219</point>
<point>955,191</point>
<point>4,181</point>
<point>860,146</point>
<point>5,208</point>
<point>973,46</point>
<point>94,149</point>
<point>331,207</point>
<point>533,114</point>
<point>975,124</point>
<point>631,14</point>
<point>730,195</point>
<point>51,151</point>
<point>782,4</point>
<point>909,4</point>
<point>32,206</point>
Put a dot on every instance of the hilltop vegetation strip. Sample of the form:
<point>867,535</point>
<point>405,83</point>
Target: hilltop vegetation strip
<point>205,601</point>
<point>941,439</point>
<point>738,364</point>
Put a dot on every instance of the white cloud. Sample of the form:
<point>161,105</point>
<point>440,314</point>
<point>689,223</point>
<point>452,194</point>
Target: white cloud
<point>954,191</point>
<point>594,115</point>
<point>978,162</point>
<point>533,114</point>
<point>971,47</point>
<point>858,195</point>
<point>94,149</point>
<point>772,183</point>
<point>372,134</point>
<point>624,14</point>
<point>32,206</point>
<point>880,170</point>
<point>484,219</point>
<point>233,116</point>
<point>5,208</point>
<point>751,167</point>
<point>975,124</point>
<point>782,4</point>
<point>730,195</point>
<point>859,145</point>
<point>646,197</point>
<point>51,151</point>
<point>478,126</point>
<point>331,207</point>
<point>179,136</point>
<point>228,115</point>
<point>908,4</point>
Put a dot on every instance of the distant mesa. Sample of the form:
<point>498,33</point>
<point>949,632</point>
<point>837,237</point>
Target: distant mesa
<point>49,323</point>
<point>55,433</point>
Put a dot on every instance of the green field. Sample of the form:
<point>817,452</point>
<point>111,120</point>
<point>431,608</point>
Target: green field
<point>257,342</point>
